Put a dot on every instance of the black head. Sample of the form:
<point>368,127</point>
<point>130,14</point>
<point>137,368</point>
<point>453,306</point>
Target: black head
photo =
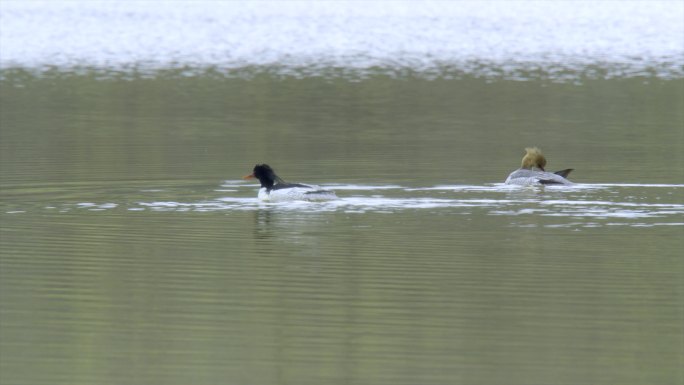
<point>267,177</point>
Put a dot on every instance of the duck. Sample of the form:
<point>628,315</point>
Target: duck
<point>532,173</point>
<point>275,189</point>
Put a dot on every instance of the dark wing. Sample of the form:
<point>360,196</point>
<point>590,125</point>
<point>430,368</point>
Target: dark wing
<point>549,182</point>
<point>320,192</point>
<point>288,185</point>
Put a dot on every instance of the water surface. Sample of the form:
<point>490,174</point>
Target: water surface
<point>131,251</point>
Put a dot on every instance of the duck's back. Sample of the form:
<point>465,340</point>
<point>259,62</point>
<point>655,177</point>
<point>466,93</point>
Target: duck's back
<point>524,177</point>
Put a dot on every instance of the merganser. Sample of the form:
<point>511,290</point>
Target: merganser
<point>273,188</point>
<point>532,172</point>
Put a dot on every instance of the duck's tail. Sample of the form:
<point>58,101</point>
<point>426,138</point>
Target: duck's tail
<point>564,173</point>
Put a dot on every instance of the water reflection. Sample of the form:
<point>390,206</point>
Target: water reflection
<point>262,224</point>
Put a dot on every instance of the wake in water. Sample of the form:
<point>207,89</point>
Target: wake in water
<point>577,205</point>
<point>588,204</point>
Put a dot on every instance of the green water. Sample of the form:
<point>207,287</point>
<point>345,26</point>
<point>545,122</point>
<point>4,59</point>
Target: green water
<point>131,252</point>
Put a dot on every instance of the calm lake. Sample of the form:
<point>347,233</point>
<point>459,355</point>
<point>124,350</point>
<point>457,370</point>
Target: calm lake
<point>132,252</point>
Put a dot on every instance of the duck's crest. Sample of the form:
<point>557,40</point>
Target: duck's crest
<point>533,158</point>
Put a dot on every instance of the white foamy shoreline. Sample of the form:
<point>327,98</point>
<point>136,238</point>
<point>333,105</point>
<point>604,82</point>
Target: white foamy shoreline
<point>493,38</point>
